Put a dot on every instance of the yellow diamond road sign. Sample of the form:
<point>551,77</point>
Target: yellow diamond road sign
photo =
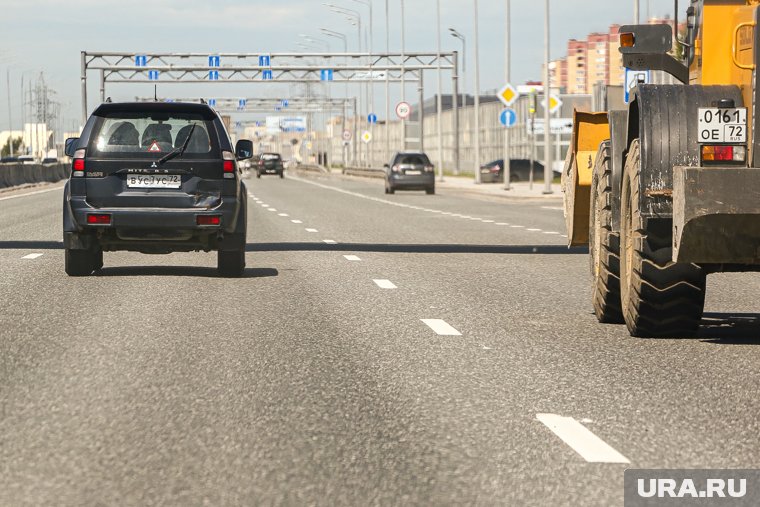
<point>554,103</point>
<point>508,95</point>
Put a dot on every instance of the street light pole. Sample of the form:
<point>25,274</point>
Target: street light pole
<point>370,86</point>
<point>403,73</point>
<point>461,37</point>
<point>477,96</point>
<point>439,105</point>
<point>636,11</point>
<point>507,76</point>
<point>548,156</point>
<point>387,85</point>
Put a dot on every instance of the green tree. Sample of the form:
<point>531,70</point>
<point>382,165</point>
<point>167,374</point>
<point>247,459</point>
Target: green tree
<point>6,149</point>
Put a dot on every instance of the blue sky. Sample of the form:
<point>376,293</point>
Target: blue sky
<point>48,35</point>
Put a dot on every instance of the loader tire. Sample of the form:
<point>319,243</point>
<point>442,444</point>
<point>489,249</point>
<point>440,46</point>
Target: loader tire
<point>660,298</point>
<point>604,244</point>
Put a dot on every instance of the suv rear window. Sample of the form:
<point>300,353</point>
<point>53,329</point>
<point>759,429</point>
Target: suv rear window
<point>152,135</point>
<point>270,156</point>
<point>413,159</point>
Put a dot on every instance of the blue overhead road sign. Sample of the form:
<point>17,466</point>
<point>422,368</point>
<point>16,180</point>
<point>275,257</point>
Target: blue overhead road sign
<point>265,61</point>
<point>141,61</point>
<point>326,74</point>
<point>212,102</point>
<point>266,75</point>
<point>508,118</point>
<point>213,75</point>
<point>214,61</point>
<point>285,103</point>
<point>153,75</point>
<point>242,103</point>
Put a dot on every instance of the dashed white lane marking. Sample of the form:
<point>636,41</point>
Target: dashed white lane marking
<point>552,233</point>
<point>33,256</point>
<point>441,327</point>
<point>352,258</point>
<point>330,241</point>
<point>517,226</point>
<point>385,284</point>
<point>591,448</point>
<point>265,205</point>
<point>554,208</point>
<point>501,223</point>
<point>296,221</point>
<point>283,215</point>
<point>311,230</point>
<point>30,193</point>
<point>533,230</point>
<point>272,210</point>
<point>488,221</point>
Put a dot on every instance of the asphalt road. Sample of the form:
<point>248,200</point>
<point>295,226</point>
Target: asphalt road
<point>380,350</point>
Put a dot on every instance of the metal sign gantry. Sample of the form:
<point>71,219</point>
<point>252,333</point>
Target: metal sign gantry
<point>267,105</point>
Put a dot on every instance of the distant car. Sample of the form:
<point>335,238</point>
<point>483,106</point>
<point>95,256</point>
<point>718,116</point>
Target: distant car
<point>26,159</point>
<point>410,170</point>
<point>154,178</point>
<point>9,160</point>
<point>49,160</point>
<point>519,170</point>
<point>270,163</point>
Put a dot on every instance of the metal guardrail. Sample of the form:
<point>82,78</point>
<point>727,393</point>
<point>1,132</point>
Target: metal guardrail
<point>367,172</point>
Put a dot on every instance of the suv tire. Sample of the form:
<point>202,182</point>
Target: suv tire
<point>231,263</point>
<point>430,191</point>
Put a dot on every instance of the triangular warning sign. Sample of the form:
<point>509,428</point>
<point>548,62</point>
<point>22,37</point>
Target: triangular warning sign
<point>154,146</point>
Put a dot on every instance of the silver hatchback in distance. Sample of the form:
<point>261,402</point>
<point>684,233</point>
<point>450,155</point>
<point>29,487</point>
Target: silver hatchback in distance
<point>410,170</point>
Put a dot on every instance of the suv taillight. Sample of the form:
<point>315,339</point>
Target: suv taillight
<point>396,168</point>
<point>429,168</point>
<point>77,166</point>
<point>229,164</point>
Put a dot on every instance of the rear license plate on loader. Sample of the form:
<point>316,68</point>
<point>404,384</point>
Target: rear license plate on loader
<point>722,125</point>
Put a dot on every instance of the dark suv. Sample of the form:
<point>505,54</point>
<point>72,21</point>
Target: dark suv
<point>270,163</point>
<point>154,178</point>
<point>409,170</point>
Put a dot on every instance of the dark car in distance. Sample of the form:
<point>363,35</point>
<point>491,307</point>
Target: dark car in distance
<point>154,178</point>
<point>270,163</point>
<point>519,170</point>
<point>410,170</point>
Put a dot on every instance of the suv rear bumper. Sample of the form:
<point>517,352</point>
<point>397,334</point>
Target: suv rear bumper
<point>156,218</point>
<point>421,181</point>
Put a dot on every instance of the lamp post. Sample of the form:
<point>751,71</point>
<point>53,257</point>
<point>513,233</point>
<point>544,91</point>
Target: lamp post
<point>342,37</point>
<point>458,35</point>
<point>548,156</point>
<point>370,89</point>
<point>439,105</point>
<point>477,95</point>
<point>507,76</point>
<point>403,71</point>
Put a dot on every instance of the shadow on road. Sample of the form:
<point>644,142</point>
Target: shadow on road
<point>31,245</point>
<point>181,271</point>
<point>731,328</point>
<point>418,248</point>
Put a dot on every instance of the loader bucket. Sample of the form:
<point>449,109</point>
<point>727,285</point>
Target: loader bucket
<point>589,130</point>
<point>716,215</point>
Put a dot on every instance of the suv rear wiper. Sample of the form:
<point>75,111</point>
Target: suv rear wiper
<point>179,151</point>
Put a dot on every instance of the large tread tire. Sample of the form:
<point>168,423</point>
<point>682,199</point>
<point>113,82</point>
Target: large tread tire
<point>660,298</point>
<point>231,263</point>
<point>430,191</point>
<point>81,262</point>
<point>604,244</point>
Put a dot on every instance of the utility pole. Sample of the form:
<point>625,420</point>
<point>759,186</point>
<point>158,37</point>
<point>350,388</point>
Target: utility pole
<point>636,12</point>
<point>439,105</point>
<point>548,155</point>
<point>10,118</point>
<point>477,96</point>
<point>507,76</point>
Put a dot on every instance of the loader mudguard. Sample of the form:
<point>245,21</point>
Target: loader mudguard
<point>664,119</point>
<point>589,131</point>
<point>618,149</point>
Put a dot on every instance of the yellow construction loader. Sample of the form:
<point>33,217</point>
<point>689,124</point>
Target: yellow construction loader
<point>668,191</point>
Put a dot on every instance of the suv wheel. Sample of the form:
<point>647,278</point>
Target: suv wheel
<point>231,263</point>
<point>258,174</point>
<point>430,191</point>
<point>82,262</point>
<point>282,174</point>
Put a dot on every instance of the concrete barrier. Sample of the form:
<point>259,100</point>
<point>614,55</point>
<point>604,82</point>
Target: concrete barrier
<point>12,175</point>
<point>368,172</point>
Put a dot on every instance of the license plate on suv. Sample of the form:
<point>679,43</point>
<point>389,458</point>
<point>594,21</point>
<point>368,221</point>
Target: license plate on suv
<point>154,180</point>
<point>722,125</point>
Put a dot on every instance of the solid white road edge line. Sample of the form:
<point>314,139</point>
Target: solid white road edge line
<point>385,284</point>
<point>441,327</point>
<point>591,448</point>
<point>30,193</point>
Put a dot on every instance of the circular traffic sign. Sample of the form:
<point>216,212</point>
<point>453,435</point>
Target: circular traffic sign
<point>372,118</point>
<point>347,135</point>
<point>508,118</point>
<point>403,110</point>
<point>367,137</point>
